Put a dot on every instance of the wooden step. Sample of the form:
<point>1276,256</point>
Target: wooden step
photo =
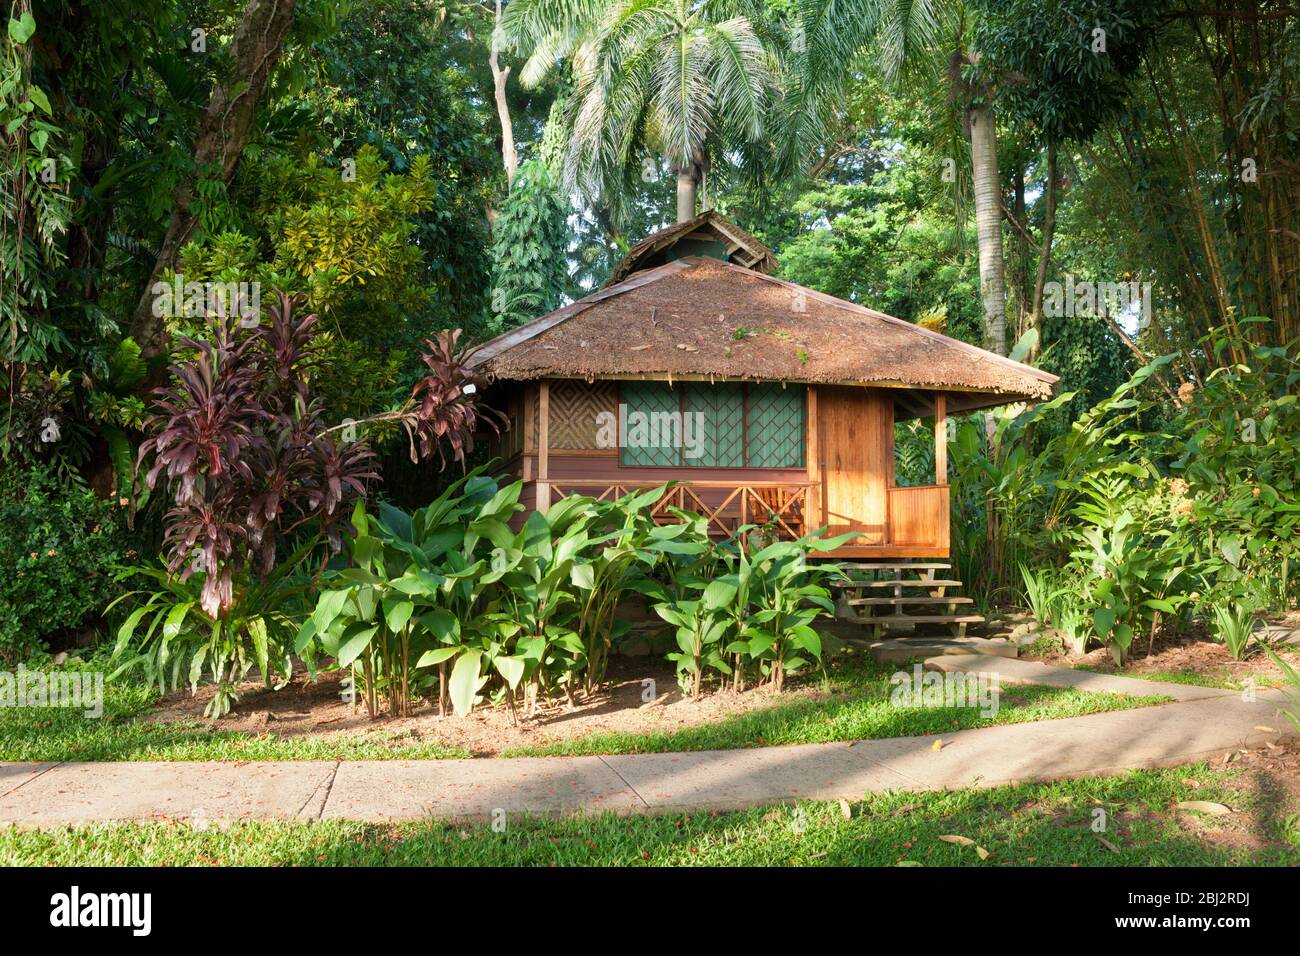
<point>918,599</point>
<point>903,566</point>
<point>911,583</point>
<point>889,619</point>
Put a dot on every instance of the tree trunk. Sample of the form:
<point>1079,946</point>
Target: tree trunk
<point>1020,274</point>
<point>499,76</point>
<point>1049,231</point>
<point>687,184</point>
<point>988,221</point>
<point>222,134</point>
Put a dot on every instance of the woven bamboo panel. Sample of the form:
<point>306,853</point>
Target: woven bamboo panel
<point>575,406</point>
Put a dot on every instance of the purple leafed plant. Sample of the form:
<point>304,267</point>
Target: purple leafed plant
<point>238,442</point>
<point>444,408</point>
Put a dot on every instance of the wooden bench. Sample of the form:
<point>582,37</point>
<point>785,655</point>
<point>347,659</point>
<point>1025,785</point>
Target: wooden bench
<point>783,507</point>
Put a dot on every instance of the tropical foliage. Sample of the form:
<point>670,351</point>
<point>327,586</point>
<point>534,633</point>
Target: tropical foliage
<point>451,597</point>
<point>58,554</point>
<point>251,471</point>
<point>964,166</point>
<point>1142,514</point>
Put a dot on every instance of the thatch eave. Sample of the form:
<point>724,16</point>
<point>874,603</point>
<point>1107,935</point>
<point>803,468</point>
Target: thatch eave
<point>705,319</point>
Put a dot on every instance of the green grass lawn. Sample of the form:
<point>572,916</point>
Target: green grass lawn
<point>1036,825</point>
<point>63,734</point>
<point>855,705</point>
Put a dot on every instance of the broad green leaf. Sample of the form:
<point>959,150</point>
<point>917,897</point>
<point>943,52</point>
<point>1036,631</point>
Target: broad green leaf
<point>1103,619</point>
<point>37,96</point>
<point>441,623</point>
<point>354,643</point>
<point>436,656</point>
<point>328,606</point>
<point>22,28</point>
<point>583,576</point>
<point>465,681</point>
<point>305,635</point>
<point>511,668</point>
<point>719,594</point>
<point>397,613</point>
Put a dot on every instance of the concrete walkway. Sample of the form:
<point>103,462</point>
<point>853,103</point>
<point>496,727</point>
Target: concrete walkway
<point>71,793</point>
<point>1014,671</point>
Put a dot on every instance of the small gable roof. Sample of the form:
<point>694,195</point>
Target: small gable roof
<point>704,318</point>
<point>734,244</point>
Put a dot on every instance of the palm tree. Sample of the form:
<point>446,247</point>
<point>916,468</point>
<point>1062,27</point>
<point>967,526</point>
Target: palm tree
<point>911,37</point>
<point>685,79</point>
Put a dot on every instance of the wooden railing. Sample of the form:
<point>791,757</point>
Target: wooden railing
<point>918,516</point>
<point>725,504</point>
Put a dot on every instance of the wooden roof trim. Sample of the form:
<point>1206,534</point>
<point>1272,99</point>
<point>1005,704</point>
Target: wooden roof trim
<point>700,227</point>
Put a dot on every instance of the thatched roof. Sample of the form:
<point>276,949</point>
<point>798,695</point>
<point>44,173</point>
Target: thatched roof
<point>703,318</point>
<point>710,227</point>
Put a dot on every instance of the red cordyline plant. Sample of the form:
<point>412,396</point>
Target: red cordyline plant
<point>444,410</point>
<point>239,443</point>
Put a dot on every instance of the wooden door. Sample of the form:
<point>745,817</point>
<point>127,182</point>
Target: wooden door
<point>856,439</point>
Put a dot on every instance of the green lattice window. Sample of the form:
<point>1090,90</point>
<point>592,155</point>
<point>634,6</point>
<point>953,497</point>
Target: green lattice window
<point>714,425</point>
<point>649,445</point>
<point>699,425</point>
<point>775,426</point>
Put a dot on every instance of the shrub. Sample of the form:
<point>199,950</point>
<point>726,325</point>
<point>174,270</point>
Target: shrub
<point>1141,499</point>
<point>1041,593</point>
<point>59,547</point>
<point>1234,619</point>
<point>452,587</point>
<point>239,445</point>
<point>1238,457</point>
<point>450,593</point>
<point>734,610</point>
<point>417,596</point>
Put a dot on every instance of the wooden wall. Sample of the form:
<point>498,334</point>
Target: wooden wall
<point>850,458</point>
<point>855,459</point>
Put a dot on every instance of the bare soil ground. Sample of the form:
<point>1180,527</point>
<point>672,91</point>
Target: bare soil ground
<point>1271,777</point>
<point>307,709</point>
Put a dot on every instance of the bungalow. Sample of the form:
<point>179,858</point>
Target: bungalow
<point>766,401</point>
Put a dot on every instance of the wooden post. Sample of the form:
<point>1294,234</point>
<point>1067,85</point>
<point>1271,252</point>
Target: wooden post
<point>940,438</point>
<point>530,428</point>
<point>544,447</point>
<point>812,453</point>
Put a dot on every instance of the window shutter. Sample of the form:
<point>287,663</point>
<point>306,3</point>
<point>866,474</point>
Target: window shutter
<point>776,426</point>
<point>654,400</point>
<point>716,424</point>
